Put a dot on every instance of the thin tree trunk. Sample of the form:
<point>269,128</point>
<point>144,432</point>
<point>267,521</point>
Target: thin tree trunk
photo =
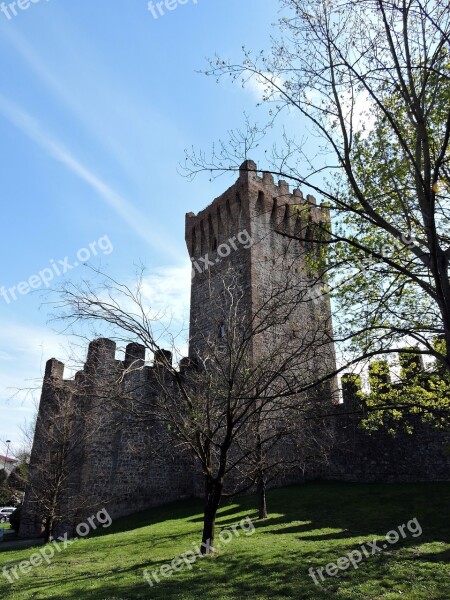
<point>261,478</point>
<point>213,497</point>
<point>48,529</point>
<point>262,498</point>
<point>443,287</point>
<point>50,521</point>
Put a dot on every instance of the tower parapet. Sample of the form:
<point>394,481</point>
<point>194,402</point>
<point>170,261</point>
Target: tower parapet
<point>250,198</point>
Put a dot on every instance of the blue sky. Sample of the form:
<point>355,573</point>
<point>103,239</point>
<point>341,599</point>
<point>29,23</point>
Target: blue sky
<point>98,101</point>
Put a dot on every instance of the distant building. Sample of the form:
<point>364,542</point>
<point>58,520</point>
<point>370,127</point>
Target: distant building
<point>7,464</point>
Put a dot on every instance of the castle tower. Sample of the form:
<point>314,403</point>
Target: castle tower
<point>261,235</point>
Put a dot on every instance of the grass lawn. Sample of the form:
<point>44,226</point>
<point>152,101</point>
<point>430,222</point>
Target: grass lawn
<point>309,526</point>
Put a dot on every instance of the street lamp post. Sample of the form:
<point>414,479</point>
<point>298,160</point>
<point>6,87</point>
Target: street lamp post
<point>7,450</point>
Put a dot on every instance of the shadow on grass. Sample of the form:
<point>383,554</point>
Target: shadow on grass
<point>350,510</point>
<point>437,557</point>
<point>272,566</point>
<point>332,503</point>
<point>239,576</point>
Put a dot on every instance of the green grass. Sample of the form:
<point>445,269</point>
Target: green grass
<point>309,526</point>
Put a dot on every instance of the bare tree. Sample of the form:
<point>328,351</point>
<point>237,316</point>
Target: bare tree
<point>299,441</point>
<point>63,425</point>
<point>243,372</point>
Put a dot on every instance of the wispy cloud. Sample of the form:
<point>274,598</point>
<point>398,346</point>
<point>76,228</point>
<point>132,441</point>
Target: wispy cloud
<point>38,66</point>
<point>169,287</point>
<point>125,130</point>
<point>24,348</point>
<point>137,221</point>
<point>264,85</point>
<point>72,101</point>
<point>163,294</point>
<point>167,291</point>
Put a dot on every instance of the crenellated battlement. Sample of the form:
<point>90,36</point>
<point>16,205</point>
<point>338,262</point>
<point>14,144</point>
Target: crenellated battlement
<point>101,361</point>
<point>384,377</point>
<point>54,369</point>
<point>252,201</point>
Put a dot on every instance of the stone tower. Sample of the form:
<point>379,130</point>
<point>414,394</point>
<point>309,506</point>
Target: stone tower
<point>262,234</point>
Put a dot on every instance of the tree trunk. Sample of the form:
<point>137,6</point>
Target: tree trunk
<point>50,520</point>
<point>48,529</point>
<point>442,285</point>
<point>262,499</point>
<point>213,497</point>
<point>261,478</point>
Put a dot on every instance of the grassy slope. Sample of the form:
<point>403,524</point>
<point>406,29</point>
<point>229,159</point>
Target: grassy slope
<point>310,525</point>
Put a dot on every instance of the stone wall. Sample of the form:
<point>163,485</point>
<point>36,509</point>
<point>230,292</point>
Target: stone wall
<point>361,456</point>
<point>112,462</point>
<point>378,456</point>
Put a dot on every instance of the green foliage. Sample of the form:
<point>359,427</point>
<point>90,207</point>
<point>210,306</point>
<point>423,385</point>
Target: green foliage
<point>379,377</point>
<point>4,490</point>
<point>402,402</point>
<point>380,286</point>
<point>17,480</point>
<point>12,487</point>
<point>4,496</point>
